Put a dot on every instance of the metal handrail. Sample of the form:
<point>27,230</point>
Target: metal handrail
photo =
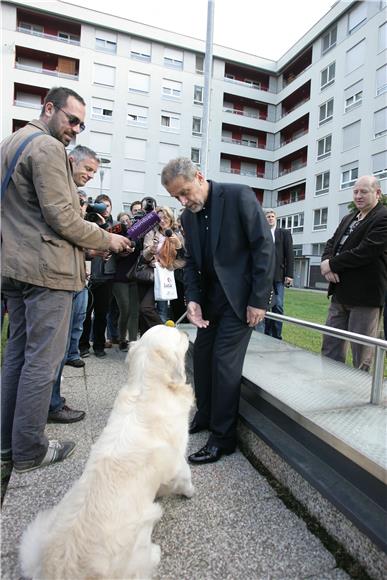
<point>378,343</point>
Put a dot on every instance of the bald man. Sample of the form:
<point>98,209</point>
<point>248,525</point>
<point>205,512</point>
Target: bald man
<point>354,263</point>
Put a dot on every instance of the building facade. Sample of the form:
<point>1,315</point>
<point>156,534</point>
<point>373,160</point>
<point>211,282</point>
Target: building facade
<point>298,130</point>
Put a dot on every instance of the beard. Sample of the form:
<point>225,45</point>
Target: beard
<point>195,207</point>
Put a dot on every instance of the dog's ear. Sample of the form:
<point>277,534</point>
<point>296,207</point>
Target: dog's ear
<point>174,365</point>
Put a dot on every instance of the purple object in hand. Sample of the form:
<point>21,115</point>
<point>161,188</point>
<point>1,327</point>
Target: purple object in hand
<point>143,226</point>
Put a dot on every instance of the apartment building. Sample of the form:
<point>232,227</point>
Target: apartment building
<point>298,130</point>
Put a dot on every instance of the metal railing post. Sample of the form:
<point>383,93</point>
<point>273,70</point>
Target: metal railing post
<point>377,377</point>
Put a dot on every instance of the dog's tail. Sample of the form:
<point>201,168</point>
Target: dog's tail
<point>32,544</point>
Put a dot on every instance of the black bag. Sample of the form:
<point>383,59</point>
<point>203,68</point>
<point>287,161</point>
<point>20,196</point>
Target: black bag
<point>141,272</point>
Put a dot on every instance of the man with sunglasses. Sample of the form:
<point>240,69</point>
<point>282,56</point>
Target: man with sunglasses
<point>43,236</point>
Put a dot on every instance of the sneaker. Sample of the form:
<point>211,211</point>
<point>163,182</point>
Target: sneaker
<point>100,353</point>
<point>123,346</point>
<point>56,451</point>
<point>84,352</point>
<point>65,415</point>
<point>77,363</point>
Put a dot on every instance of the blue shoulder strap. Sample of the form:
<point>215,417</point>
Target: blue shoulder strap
<point>5,182</point>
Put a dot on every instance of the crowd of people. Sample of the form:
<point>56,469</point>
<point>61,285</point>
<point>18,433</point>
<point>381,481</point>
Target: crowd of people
<point>230,264</point>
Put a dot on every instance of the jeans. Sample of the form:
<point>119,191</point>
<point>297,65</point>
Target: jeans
<point>162,307</point>
<point>273,327</point>
<point>78,314</point>
<point>39,322</point>
<point>126,294</point>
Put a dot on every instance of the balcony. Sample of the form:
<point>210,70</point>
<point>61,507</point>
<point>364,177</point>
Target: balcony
<point>297,67</point>
<point>293,162</point>
<point>295,100</point>
<point>48,27</point>
<point>238,171</point>
<point>246,77</point>
<point>294,131</point>
<point>244,142</point>
<point>28,96</point>
<point>46,63</point>
<point>291,195</point>
<point>244,107</point>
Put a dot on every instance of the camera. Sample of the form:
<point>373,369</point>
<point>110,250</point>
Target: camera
<point>148,204</point>
<point>94,211</point>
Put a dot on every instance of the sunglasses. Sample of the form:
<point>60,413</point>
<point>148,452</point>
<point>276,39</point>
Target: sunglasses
<point>73,120</point>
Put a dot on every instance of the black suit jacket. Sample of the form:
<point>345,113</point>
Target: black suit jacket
<point>284,258</point>
<point>362,262</point>
<point>242,248</point>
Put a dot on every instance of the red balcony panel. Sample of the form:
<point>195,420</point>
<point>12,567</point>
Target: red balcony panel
<point>50,25</point>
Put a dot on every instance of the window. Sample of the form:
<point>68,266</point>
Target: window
<point>104,75</point>
<point>349,174</point>
<point>351,136</point>
<point>294,223</point>
<point>134,181</point>
<point>106,41</point>
<point>382,37</point>
<point>379,164</point>
<point>198,94</point>
<point>173,58</point>
<point>322,183</point>
<point>68,37</point>
<point>199,63</point>
<point>168,151</point>
<point>326,112</point>
<point>328,75</point>
<point>138,82</point>
<point>320,219</point>
<point>101,142</point>
<point>170,121</point>
<point>353,96</point>
<point>380,122</point>
<point>31,28</point>
<point>357,16</point>
<point>195,155</point>
<point>135,148</point>
<point>102,109</point>
<point>355,57</point>
<point>324,147</point>
<point>171,89</point>
<point>137,115</point>
<point>329,40</point>
<point>140,50</point>
<point>381,79</point>
<point>196,126</point>
<point>318,249</point>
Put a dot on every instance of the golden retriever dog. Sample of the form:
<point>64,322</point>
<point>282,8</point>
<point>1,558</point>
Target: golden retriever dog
<point>102,527</point>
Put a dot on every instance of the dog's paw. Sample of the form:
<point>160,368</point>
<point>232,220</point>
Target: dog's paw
<point>189,491</point>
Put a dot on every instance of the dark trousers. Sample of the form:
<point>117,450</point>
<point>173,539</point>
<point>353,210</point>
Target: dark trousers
<point>148,314</point>
<point>39,320</point>
<point>219,352</point>
<point>99,302</point>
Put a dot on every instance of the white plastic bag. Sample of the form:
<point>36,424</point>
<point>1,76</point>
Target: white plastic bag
<point>165,285</point>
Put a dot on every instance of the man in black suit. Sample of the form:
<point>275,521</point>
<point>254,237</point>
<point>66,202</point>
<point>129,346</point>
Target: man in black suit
<point>283,273</point>
<point>228,278</point>
<point>354,263</point>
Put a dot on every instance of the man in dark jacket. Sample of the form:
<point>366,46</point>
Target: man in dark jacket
<point>354,263</point>
<point>228,278</point>
<point>283,273</point>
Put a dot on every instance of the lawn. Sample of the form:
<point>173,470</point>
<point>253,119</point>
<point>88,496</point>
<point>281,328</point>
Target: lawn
<point>311,306</point>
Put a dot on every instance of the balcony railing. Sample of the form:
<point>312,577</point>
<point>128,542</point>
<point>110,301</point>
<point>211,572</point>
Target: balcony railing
<point>262,116</point>
<point>27,104</point>
<point>247,84</point>
<point>45,71</point>
<point>247,172</point>
<point>244,142</point>
<point>293,77</point>
<point>288,111</point>
<point>291,169</point>
<point>77,42</point>
<point>291,200</point>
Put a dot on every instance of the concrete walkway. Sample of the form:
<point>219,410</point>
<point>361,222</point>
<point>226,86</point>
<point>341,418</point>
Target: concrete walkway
<point>235,527</point>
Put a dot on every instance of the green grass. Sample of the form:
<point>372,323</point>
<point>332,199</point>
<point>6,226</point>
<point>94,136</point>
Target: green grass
<point>313,307</point>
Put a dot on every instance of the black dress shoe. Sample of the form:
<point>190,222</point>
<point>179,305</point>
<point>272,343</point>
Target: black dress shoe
<point>208,454</point>
<point>196,427</point>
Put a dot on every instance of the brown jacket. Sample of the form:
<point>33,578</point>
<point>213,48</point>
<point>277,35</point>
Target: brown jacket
<point>43,233</point>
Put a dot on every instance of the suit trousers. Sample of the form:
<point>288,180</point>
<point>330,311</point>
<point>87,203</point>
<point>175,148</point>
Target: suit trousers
<point>359,319</point>
<point>219,352</point>
<point>39,320</point>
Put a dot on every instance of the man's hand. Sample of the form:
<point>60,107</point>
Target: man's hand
<point>254,316</point>
<point>288,281</point>
<point>194,315</point>
<point>327,272</point>
<point>119,244</point>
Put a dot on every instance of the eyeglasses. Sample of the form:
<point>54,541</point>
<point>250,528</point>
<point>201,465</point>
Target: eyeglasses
<point>73,120</point>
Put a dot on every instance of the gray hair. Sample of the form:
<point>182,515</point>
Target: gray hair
<point>180,167</point>
<point>269,210</point>
<point>80,152</point>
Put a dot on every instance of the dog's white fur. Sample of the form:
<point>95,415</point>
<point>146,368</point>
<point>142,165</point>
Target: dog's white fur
<point>102,527</point>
